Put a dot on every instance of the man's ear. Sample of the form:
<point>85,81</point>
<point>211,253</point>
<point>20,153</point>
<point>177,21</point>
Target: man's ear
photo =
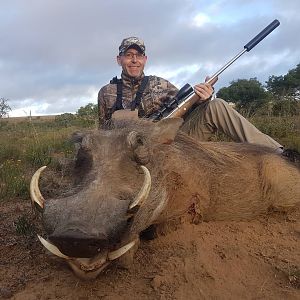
<point>165,130</point>
<point>119,60</point>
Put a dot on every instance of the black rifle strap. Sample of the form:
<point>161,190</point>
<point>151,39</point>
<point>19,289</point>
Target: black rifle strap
<point>137,100</point>
<point>118,104</point>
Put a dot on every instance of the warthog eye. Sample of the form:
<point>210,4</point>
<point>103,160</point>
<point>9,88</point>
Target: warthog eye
<point>139,140</point>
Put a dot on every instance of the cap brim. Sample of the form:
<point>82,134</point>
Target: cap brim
<point>134,46</point>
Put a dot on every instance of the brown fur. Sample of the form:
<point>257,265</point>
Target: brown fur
<point>217,180</point>
<point>223,180</point>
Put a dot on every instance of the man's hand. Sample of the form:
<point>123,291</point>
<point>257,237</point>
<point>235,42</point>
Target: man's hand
<point>205,90</point>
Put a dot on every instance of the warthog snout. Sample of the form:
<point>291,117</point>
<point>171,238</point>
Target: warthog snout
<point>77,244</point>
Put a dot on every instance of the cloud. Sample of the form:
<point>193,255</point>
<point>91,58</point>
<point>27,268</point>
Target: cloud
<point>200,20</point>
<point>55,55</point>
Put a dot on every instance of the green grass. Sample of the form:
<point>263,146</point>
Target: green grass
<point>25,146</point>
<point>24,226</point>
<point>286,130</point>
<point>13,181</point>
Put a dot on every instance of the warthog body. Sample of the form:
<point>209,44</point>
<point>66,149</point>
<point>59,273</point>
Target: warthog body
<point>211,181</point>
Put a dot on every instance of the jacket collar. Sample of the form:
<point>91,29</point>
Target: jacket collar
<point>131,81</point>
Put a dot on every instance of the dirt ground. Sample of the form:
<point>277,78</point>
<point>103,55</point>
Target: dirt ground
<point>259,259</point>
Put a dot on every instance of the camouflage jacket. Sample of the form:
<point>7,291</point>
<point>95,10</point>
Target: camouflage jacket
<point>157,91</point>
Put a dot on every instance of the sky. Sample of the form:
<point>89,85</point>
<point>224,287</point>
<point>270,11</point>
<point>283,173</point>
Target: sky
<point>55,55</point>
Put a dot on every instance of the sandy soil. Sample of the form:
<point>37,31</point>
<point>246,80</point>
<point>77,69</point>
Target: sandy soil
<point>259,259</point>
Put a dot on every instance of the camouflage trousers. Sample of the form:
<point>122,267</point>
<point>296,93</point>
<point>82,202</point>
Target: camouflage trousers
<point>217,115</point>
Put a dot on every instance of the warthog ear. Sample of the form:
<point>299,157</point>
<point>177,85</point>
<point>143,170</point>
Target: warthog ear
<point>137,143</point>
<point>165,130</point>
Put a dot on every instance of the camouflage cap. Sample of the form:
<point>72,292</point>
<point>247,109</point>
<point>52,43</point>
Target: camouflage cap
<point>131,41</point>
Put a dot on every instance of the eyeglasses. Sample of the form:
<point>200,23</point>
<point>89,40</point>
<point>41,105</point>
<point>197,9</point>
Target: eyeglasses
<point>130,55</point>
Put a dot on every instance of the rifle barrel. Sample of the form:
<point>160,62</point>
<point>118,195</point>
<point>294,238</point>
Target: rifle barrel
<point>250,45</point>
<point>226,66</point>
<point>257,39</point>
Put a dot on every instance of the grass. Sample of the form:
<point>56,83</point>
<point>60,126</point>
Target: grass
<point>13,182</point>
<point>286,130</point>
<point>24,226</point>
<point>26,145</point>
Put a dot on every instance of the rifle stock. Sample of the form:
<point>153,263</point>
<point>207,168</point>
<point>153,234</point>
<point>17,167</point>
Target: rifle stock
<point>183,107</point>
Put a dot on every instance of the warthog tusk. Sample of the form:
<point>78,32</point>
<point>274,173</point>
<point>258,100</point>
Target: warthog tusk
<point>53,249</point>
<point>143,193</point>
<point>117,253</point>
<point>35,193</point>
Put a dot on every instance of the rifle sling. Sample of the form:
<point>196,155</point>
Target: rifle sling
<point>138,97</point>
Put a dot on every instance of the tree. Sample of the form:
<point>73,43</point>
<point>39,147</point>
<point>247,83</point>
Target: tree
<point>4,107</point>
<point>286,87</point>
<point>248,95</point>
<point>285,91</point>
<point>88,112</point>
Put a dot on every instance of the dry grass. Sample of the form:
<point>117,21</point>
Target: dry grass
<point>27,119</point>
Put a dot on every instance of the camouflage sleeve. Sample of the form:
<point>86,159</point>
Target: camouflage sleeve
<point>172,90</point>
<point>103,114</point>
<point>159,91</point>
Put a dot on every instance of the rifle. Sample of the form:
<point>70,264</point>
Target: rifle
<point>182,102</point>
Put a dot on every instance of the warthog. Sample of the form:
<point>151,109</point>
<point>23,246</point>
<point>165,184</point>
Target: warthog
<point>140,173</point>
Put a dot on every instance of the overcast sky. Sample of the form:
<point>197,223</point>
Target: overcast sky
<point>56,54</point>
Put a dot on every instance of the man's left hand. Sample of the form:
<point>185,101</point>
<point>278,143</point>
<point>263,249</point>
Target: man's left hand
<point>205,90</point>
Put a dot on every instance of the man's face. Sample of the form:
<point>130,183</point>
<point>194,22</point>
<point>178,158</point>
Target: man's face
<point>132,62</point>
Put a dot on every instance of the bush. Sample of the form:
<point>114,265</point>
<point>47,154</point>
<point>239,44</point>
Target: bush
<point>286,108</point>
<point>65,120</point>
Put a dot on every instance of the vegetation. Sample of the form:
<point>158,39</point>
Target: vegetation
<point>286,130</point>
<point>286,87</point>
<point>280,96</point>
<point>33,142</point>
<point>24,226</point>
<point>4,107</point>
<point>249,96</point>
<point>88,112</point>
<point>28,145</point>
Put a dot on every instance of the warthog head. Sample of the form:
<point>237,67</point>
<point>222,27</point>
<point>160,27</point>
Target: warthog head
<point>119,194</point>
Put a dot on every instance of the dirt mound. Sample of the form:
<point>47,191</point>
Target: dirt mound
<point>258,259</point>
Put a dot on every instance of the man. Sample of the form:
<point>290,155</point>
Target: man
<point>148,93</point>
